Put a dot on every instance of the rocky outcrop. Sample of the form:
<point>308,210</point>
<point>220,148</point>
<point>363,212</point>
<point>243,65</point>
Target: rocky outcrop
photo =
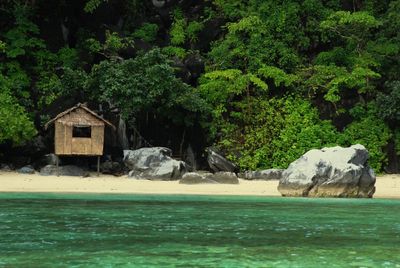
<point>202,177</point>
<point>219,163</point>
<point>330,172</point>
<point>264,175</point>
<point>153,163</point>
<point>67,170</point>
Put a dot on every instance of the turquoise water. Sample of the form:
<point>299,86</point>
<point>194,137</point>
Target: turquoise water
<point>44,230</point>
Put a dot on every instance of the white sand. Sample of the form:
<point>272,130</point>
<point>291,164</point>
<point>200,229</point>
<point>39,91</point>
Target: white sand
<point>387,186</point>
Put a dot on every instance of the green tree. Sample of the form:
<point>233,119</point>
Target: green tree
<point>147,84</point>
<point>350,66</point>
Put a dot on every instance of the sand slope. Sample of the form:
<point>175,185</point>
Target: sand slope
<point>387,186</point>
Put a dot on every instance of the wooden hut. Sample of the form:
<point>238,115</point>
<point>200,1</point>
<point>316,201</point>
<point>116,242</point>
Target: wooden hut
<point>79,131</point>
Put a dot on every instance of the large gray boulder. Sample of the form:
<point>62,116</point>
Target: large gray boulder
<point>264,175</point>
<point>219,163</point>
<point>67,170</point>
<point>201,177</point>
<point>154,163</point>
<point>330,172</point>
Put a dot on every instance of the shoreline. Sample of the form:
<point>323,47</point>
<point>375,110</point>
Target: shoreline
<point>387,186</point>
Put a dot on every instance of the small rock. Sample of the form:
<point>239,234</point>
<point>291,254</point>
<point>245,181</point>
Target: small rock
<point>196,178</point>
<point>110,167</point>
<point>225,177</point>
<point>68,170</point>
<point>5,167</point>
<point>264,175</point>
<point>201,177</point>
<point>26,170</point>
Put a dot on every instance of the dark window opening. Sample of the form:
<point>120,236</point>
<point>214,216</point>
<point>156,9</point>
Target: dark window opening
<point>81,132</point>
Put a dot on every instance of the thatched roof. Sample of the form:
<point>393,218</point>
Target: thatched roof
<point>79,105</point>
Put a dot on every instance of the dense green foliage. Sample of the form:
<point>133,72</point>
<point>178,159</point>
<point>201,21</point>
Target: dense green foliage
<point>123,83</point>
<point>15,124</point>
<point>264,80</point>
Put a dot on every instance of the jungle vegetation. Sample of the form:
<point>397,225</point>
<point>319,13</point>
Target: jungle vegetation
<point>263,81</point>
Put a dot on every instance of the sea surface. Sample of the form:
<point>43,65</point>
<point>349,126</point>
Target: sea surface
<point>69,230</point>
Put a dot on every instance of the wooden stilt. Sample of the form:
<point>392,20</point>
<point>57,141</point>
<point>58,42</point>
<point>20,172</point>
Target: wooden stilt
<point>58,170</point>
<point>98,166</point>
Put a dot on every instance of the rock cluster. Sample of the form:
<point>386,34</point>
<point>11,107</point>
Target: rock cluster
<point>330,172</point>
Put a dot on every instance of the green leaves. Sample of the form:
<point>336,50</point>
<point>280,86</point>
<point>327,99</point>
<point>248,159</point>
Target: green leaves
<point>345,22</point>
<point>177,32</point>
<point>183,30</point>
<point>389,103</point>
<point>172,51</point>
<point>193,29</point>
<point>147,32</point>
<point>22,39</point>
<point>301,131</point>
<point>249,24</point>
<point>111,46</point>
<point>355,28</point>
<point>279,76</point>
<point>2,46</point>
<point>273,133</point>
<point>92,5</point>
<point>332,80</point>
<point>222,85</point>
<point>369,130</point>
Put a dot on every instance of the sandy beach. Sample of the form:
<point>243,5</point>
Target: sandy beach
<point>387,186</point>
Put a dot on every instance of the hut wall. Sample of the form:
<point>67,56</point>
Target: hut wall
<point>97,140</point>
<point>67,139</point>
<point>81,146</point>
<point>58,138</point>
<point>63,138</point>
